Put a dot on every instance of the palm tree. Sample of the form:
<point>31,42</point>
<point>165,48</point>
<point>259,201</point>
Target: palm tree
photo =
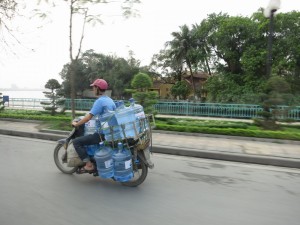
<point>203,52</point>
<point>182,50</point>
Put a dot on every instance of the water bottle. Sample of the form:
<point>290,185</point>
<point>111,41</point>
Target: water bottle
<point>109,125</point>
<point>104,161</point>
<point>91,127</point>
<point>138,109</point>
<point>122,164</point>
<point>125,119</point>
<point>117,104</point>
<point>141,123</point>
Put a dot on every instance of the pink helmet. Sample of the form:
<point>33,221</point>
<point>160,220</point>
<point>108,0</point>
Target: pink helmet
<point>102,84</point>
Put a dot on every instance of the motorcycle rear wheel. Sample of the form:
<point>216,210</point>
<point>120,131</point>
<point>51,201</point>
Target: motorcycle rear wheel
<point>140,174</point>
<point>59,153</point>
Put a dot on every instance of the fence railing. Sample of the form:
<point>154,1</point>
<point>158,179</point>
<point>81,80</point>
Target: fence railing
<point>175,108</point>
<point>223,110</point>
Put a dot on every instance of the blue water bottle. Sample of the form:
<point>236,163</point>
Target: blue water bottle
<point>141,123</point>
<point>109,125</point>
<point>104,161</point>
<point>122,164</point>
<point>125,119</point>
<point>90,127</point>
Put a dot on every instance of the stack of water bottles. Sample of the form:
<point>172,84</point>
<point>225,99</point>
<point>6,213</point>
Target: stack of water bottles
<point>109,125</point>
<point>125,118</point>
<point>116,164</point>
<point>90,128</point>
<point>140,118</point>
<point>123,123</point>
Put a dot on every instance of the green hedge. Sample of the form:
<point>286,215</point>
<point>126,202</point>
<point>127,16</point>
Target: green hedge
<point>35,117</point>
<point>232,131</point>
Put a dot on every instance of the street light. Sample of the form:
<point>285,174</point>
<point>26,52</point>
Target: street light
<point>273,6</point>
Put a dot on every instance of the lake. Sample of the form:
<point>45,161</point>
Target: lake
<point>24,94</point>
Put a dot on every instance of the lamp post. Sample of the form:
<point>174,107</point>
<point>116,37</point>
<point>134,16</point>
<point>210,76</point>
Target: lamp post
<point>273,6</point>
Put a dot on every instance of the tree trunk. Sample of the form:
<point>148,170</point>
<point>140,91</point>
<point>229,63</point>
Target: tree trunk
<point>71,68</point>
<point>192,77</point>
<point>73,92</point>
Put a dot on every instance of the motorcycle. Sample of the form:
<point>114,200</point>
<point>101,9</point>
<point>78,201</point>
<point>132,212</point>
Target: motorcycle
<point>140,149</point>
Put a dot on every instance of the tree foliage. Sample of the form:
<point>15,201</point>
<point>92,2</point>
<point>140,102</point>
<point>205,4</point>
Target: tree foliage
<point>141,83</point>
<point>8,10</point>
<point>233,50</point>
<point>118,72</point>
<point>181,89</point>
<point>1,102</point>
<point>55,95</point>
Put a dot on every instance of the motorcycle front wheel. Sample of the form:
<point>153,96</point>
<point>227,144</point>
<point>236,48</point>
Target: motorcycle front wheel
<point>139,174</point>
<point>61,161</point>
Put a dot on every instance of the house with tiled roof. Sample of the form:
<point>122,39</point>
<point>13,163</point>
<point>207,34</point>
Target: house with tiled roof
<point>199,79</point>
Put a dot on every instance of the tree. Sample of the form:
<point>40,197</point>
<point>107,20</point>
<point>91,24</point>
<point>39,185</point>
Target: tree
<point>181,89</point>
<point>182,50</point>
<point>165,68</point>
<point>55,95</point>
<point>8,10</point>
<point>277,92</point>
<point>286,48</point>
<point>1,102</point>
<point>118,72</point>
<point>86,10</point>
<point>141,83</point>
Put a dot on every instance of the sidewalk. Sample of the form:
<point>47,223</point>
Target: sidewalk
<point>220,147</point>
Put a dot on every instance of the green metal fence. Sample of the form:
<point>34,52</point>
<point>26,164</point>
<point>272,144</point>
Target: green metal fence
<point>222,110</point>
<point>26,103</point>
<point>176,108</point>
<point>80,104</point>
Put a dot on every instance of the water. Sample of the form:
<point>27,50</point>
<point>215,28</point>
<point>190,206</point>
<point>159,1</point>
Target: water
<point>24,94</point>
<point>104,161</point>
<point>122,164</point>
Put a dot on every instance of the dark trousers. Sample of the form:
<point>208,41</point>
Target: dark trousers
<point>81,142</point>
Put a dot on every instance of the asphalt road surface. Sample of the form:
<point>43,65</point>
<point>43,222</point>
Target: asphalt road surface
<point>179,190</point>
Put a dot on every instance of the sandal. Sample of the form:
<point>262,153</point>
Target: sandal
<point>89,167</point>
<point>83,170</point>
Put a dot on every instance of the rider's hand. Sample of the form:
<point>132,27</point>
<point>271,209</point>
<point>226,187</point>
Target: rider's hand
<point>74,124</point>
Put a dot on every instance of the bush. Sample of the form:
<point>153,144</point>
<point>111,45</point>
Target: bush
<point>232,131</point>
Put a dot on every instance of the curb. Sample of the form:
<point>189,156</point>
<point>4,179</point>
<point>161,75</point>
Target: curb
<point>43,136</point>
<point>234,157</point>
<point>229,137</point>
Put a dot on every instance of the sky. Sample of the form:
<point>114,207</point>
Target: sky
<point>44,45</point>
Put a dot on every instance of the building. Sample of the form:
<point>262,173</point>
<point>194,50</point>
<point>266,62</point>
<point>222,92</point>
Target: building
<point>163,89</point>
<point>199,79</point>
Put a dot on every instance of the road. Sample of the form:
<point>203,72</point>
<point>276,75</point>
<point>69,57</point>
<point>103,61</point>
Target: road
<point>179,190</point>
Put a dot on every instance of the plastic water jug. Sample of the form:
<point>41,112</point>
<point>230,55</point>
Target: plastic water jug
<point>104,161</point>
<point>109,125</point>
<point>91,127</point>
<point>141,123</point>
<point>91,149</point>
<point>138,109</point>
<point>122,164</point>
<point>126,119</point>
